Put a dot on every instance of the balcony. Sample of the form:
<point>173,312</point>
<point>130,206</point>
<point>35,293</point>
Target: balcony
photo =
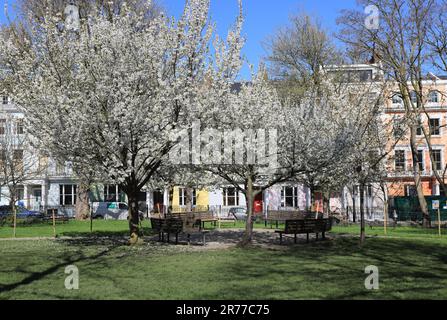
<point>59,171</point>
<point>9,107</point>
<point>398,107</point>
<point>410,174</point>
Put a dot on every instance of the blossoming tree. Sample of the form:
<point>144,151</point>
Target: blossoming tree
<point>107,95</point>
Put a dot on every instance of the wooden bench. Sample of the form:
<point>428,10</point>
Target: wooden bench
<point>185,223</point>
<point>157,225</point>
<point>305,226</point>
<point>202,217</point>
<point>192,225</point>
<point>168,226</point>
<point>58,218</point>
<point>275,217</point>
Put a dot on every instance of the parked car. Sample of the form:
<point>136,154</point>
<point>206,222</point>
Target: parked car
<point>112,211</point>
<point>239,213</point>
<point>22,212</point>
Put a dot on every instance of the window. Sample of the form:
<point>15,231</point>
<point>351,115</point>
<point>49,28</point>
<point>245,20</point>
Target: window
<point>19,126</point>
<point>410,190</point>
<point>421,160</point>
<point>435,128</point>
<point>43,163</point>
<point>398,128</point>
<point>365,75</point>
<point>60,168</point>
<point>289,197</point>
<point>67,194</point>
<point>419,128</point>
<point>397,98</point>
<point>230,197</point>
<point>436,154</point>
<point>414,97</point>
<point>2,126</point>
<point>433,97</point>
<point>113,193</point>
<point>123,206</point>
<point>20,193</point>
<point>369,190</point>
<point>18,159</point>
<point>5,100</point>
<point>182,197</point>
<point>399,160</point>
<point>350,76</point>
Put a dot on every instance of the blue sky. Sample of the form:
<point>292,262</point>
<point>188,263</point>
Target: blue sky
<point>262,18</point>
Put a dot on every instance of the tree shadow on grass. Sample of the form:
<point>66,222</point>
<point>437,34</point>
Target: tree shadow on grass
<point>222,236</point>
<point>336,270</point>
<point>68,258</point>
<point>101,233</point>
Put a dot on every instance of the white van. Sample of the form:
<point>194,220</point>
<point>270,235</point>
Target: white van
<point>111,211</point>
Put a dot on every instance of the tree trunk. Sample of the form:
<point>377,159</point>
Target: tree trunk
<point>171,199</point>
<point>354,212</point>
<point>249,198</point>
<point>189,196</point>
<point>134,218</point>
<point>82,203</point>
<point>312,199</point>
<point>362,212</point>
<point>14,216</point>
<point>418,179</point>
<point>326,203</point>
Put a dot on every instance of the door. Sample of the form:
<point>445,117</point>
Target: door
<point>158,201</point>
<point>258,203</point>
<point>36,199</point>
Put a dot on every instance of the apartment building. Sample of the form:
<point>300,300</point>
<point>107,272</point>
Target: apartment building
<point>433,119</point>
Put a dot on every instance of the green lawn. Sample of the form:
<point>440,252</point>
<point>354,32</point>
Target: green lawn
<point>100,227</point>
<point>113,227</point>
<point>412,263</point>
<point>401,232</point>
<point>72,228</point>
<point>333,269</point>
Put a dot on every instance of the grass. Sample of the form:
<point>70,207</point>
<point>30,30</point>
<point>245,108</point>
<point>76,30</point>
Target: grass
<point>412,263</point>
<point>120,228</point>
<point>399,232</point>
<point>100,227</point>
<point>409,269</point>
<point>73,228</point>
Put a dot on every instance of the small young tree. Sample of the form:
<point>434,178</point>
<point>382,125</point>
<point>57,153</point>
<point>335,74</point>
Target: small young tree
<point>19,163</point>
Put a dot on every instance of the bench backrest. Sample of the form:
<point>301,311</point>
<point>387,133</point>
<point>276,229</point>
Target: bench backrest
<point>308,225</point>
<point>204,215</point>
<point>174,225</point>
<point>293,226</point>
<point>157,223</point>
<point>284,215</point>
<point>189,222</point>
